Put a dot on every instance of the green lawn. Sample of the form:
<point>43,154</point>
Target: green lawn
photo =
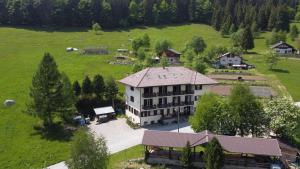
<point>21,49</point>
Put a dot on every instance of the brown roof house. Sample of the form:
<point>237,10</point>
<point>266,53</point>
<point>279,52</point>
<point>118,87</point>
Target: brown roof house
<point>172,55</point>
<point>157,94</point>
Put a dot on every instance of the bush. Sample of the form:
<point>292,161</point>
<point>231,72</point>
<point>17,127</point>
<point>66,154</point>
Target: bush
<point>131,124</point>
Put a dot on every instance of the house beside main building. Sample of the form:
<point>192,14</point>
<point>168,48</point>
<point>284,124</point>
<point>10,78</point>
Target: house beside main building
<point>157,94</point>
<point>283,48</point>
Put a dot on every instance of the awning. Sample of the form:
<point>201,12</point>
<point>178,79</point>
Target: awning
<point>104,110</point>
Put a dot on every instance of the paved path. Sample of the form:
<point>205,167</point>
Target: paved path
<point>119,136</point>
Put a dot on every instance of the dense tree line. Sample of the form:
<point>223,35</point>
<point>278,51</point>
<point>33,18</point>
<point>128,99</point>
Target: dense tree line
<point>223,14</point>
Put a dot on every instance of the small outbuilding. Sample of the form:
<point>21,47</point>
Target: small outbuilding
<point>104,114</point>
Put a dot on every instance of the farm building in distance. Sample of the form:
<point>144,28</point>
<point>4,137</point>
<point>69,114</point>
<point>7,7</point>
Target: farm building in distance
<point>283,48</point>
<point>231,60</point>
<point>172,55</point>
<point>156,95</point>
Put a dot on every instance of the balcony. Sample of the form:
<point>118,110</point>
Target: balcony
<point>165,94</point>
<point>149,107</point>
<point>188,103</point>
<point>163,105</point>
<point>149,95</point>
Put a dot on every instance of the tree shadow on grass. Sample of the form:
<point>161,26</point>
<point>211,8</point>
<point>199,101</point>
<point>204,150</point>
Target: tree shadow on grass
<point>55,132</point>
<point>280,70</point>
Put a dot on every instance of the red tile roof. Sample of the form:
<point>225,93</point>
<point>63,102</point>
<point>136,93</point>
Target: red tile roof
<point>232,144</point>
<point>159,76</point>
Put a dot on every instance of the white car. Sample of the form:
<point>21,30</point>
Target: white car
<point>275,166</point>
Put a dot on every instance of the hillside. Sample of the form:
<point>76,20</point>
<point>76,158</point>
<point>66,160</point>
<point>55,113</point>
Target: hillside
<point>22,49</point>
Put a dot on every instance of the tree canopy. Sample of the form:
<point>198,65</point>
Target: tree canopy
<point>283,115</point>
<point>88,152</point>
<point>214,156</point>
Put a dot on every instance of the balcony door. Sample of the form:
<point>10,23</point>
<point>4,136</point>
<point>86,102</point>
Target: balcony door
<point>148,90</point>
<point>148,102</point>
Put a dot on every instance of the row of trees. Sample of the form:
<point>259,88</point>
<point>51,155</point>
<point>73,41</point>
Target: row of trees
<point>53,95</point>
<point>94,93</point>
<point>267,15</point>
<point>115,13</point>
<point>243,114</point>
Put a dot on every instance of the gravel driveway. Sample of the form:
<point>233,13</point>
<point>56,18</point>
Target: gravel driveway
<point>119,136</point>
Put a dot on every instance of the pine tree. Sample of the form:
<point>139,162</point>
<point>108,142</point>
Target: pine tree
<point>99,86</point>
<point>67,108</point>
<point>111,90</point>
<point>232,29</point>
<point>87,87</point>
<point>186,158</point>
<point>214,157</point>
<point>294,32</point>
<point>46,90</point>
<point>76,88</point>
<point>247,39</point>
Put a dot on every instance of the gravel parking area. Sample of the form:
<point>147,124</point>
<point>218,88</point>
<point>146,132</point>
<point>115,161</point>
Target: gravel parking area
<point>119,136</point>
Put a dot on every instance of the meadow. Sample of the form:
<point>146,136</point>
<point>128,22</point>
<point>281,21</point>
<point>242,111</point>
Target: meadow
<point>21,49</point>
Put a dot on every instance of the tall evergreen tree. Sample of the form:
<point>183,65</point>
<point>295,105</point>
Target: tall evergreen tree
<point>111,90</point>
<point>214,156</point>
<point>46,90</point>
<point>247,39</point>
<point>67,107</point>
<point>99,86</point>
<point>294,32</point>
<point>87,87</point>
<point>76,88</point>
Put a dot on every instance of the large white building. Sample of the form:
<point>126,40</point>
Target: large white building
<point>156,95</point>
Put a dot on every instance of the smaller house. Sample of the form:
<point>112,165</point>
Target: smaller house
<point>230,60</point>
<point>172,55</point>
<point>283,48</point>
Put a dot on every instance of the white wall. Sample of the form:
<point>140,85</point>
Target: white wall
<point>284,51</point>
<point>224,60</point>
<point>135,119</point>
<point>137,97</point>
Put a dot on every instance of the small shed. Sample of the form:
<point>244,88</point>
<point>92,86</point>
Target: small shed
<point>104,113</point>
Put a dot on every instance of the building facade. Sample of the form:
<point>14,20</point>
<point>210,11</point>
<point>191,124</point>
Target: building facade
<point>229,59</point>
<point>157,95</point>
<point>172,55</point>
<point>283,48</point>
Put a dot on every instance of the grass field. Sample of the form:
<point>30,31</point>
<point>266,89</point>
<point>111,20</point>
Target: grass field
<point>21,49</point>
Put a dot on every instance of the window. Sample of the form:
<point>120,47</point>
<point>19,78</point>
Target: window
<point>131,98</point>
<point>155,112</point>
<point>148,102</point>
<point>198,87</point>
<point>196,98</point>
<point>131,88</point>
<point>163,89</point>
<point>162,112</point>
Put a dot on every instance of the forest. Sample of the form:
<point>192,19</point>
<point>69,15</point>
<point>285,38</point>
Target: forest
<point>221,14</point>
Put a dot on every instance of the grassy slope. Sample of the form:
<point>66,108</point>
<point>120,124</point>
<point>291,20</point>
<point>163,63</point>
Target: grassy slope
<point>22,49</point>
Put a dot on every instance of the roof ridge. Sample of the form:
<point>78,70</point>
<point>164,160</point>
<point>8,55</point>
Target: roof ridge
<point>143,76</point>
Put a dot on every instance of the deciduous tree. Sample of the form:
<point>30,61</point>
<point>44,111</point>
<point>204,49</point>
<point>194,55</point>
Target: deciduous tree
<point>88,151</point>
<point>283,115</point>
